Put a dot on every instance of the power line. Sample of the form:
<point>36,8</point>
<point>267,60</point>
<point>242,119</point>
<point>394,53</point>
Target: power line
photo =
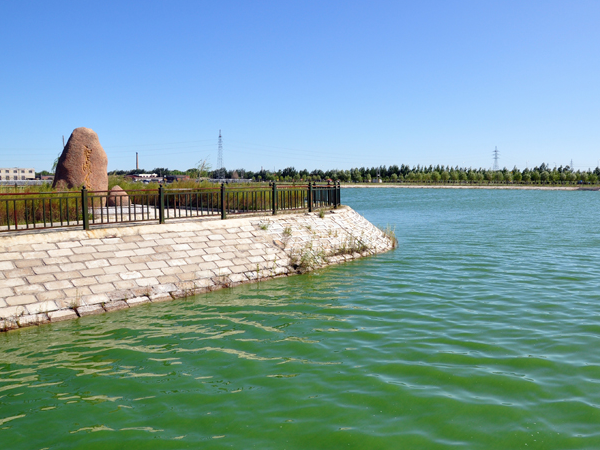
<point>162,143</point>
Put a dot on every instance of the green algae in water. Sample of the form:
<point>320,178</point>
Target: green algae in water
<point>477,332</point>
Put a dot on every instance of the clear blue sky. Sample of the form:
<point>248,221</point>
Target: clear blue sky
<point>309,84</point>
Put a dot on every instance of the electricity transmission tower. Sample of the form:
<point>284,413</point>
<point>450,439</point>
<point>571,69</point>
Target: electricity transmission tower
<point>220,156</point>
<point>496,153</point>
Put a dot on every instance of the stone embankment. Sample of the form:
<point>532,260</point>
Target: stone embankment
<point>61,275</point>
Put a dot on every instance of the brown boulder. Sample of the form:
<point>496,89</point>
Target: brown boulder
<point>83,162</point>
<point>117,197</point>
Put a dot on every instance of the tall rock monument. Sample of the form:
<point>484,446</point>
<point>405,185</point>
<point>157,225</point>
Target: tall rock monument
<point>83,162</point>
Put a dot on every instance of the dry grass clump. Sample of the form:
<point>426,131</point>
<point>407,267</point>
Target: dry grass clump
<point>390,233</point>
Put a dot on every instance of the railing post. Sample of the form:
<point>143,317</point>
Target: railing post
<point>334,191</point>
<point>310,197</point>
<point>223,215</point>
<point>339,194</point>
<point>335,194</point>
<point>161,204</point>
<point>84,208</point>
<point>274,198</point>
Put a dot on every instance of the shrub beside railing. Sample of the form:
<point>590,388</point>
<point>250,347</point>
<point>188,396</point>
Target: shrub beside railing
<point>42,210</point>
<point>24,211</point>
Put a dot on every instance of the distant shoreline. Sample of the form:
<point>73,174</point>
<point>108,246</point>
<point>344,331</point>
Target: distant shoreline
<point>466,186</point>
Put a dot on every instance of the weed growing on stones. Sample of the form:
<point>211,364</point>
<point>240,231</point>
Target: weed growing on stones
<point>307,259</point>
<point>390,233</point>
<point>76,302</point>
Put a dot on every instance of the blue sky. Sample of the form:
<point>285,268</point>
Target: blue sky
<point>309,84</point>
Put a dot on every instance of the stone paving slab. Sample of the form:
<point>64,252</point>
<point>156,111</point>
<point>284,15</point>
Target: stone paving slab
<point>63,314</point>
<point>32,319</point>
<point>116,306</point>
<point>90,310</point>
<point>138,301</point>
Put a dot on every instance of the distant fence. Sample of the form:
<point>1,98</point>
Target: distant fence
<point>24,211</point>
<point>24,183</point>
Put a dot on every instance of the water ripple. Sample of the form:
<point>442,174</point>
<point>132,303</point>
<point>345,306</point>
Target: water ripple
<point>477,332</point>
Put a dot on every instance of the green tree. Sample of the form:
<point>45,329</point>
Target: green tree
<point>344,176</point>
<point>517,177</point>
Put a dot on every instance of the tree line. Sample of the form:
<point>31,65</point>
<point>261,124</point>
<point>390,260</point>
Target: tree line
<point>542,174</point>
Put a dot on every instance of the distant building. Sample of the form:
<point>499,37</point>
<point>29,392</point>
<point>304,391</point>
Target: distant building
<point>145,178</point>
<point>173,178</point>
<point>17,173</point>
<point>229,180</point>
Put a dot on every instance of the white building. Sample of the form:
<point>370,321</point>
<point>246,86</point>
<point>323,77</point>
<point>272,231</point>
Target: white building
<point>17,173</point>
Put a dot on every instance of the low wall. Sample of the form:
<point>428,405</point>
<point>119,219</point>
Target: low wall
<point>61,275</point>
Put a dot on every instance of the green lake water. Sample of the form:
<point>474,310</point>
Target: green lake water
<point>481,331</point>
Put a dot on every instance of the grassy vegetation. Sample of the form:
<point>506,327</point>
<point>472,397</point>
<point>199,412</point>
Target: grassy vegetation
<point>390,233</point>
<point>307,259</point>
<point>128,185</point>
<point>351,245</point>
<point>43,206</point>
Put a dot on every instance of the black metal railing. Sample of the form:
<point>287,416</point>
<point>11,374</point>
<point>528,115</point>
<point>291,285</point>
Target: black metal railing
<point>24,211</point>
